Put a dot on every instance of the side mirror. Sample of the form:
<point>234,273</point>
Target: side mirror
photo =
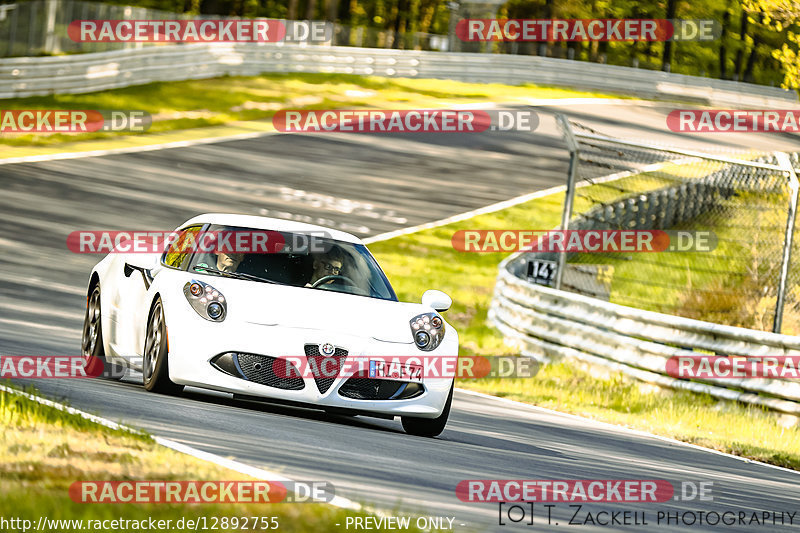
<point>143,264</point>
<point>437,300</point>
<point>145,261</point>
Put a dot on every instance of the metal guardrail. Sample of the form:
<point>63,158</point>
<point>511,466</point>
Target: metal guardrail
<point>550,324</point>
<point>81,73</point>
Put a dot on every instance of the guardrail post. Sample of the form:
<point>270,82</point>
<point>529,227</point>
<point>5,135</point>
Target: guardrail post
<point>569,195</point>
<point>794,185</point>
<point>453,6</point>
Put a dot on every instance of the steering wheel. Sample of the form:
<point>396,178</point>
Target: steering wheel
<point>325,279</point>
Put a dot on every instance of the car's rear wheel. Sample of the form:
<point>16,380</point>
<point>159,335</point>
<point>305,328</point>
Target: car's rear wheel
<point>155,363</point>
<point>92,351</point>
<point>429,427</point>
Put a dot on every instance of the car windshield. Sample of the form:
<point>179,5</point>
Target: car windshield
<point>311,261</point>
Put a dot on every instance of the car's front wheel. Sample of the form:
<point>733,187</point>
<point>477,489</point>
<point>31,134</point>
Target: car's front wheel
<point>429,427</point>
<point>92,351</point>
<point>155,363</point>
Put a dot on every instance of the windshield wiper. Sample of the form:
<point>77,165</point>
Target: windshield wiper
<point>237,275</point>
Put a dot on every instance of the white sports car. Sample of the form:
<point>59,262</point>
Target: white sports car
<point>220,321</point>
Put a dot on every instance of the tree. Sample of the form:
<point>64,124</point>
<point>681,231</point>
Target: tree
<point>723,50</point>
<point>780,16</point>
<point>666,58</point>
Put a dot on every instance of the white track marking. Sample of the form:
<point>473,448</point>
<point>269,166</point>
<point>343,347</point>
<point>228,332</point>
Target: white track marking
<point>616,427</point>
<point>252,471</point>
<point>257,134</point>
<point>469,214</point>
<point>337,501</point>
<point>522,199</point>
<point>134,149</point>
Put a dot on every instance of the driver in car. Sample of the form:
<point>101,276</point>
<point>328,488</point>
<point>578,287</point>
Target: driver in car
<point>329,264</point>
<point>226,262</point>
<point>229,262</point>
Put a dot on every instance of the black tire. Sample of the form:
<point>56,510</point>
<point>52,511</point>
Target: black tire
<point>92,351</point>
<point>155,360</point>
<point>429,427</point>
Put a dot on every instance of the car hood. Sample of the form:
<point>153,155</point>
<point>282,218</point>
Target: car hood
<point>300,307</point>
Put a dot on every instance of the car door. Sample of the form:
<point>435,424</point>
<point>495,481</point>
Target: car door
<point>136,291</point>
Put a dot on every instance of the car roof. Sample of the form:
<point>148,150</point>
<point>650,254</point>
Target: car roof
<point>268,223</point>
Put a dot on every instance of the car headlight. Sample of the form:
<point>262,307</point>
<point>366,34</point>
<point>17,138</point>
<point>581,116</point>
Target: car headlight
<point>428,331</point>
<point>206,300</point>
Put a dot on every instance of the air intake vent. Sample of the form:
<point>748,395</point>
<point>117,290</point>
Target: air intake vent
<point>362,388</point>
<point>261,369</point>
<point>325,368</point>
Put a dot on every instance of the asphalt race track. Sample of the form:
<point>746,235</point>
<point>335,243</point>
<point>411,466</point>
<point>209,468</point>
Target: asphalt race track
<point>365,184</point>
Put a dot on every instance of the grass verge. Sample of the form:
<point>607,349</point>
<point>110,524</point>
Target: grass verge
<point>427,259</point>
<point>44,450</point>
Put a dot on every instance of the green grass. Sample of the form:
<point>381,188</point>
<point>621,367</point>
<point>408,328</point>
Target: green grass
<point>216,102</point>
<point>427,259</point>
<point>17,410</point>
<point>44,450</point>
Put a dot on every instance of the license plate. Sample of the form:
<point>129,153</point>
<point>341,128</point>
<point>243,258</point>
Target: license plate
<point>394,370</point>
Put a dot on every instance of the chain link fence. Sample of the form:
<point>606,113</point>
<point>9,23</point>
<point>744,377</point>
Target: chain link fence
<point>743,199</point>
<point>39,27</point>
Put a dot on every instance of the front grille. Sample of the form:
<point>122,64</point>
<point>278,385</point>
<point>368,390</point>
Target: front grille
<point>358,388</point>
<point>261,369</point>
<point>324,376</point>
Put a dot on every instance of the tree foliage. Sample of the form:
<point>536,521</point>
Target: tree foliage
<point>781,17</point>
<point>759,42</point>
